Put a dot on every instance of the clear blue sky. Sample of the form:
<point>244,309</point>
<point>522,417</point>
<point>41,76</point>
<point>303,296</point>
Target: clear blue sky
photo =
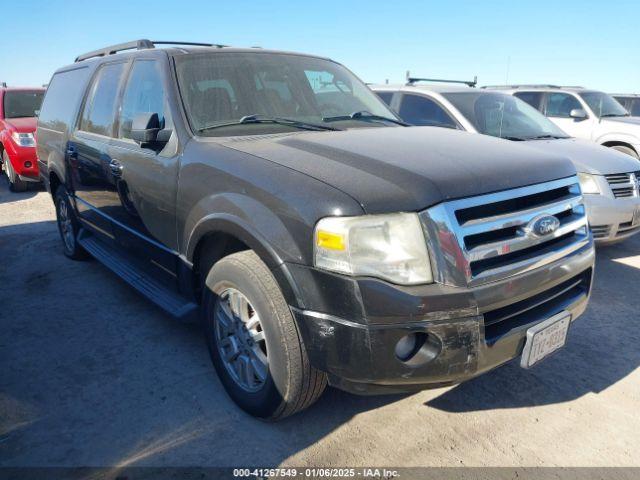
<point>591,43</point>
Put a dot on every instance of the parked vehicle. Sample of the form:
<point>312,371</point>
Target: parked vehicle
<point>631,102</point>
<point>321,240</point>
<point>609,179</point>
<point>18,110</point>
<point>583,113</point>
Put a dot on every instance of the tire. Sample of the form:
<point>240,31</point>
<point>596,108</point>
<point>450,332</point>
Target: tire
<point>15,183</point>
<point>289,383</point>
<point>68,225</point>
<point>627,150</point>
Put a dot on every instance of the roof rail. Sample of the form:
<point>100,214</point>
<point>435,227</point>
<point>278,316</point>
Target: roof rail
<point>532,85</point>
<point>411,80</point>
<point>142,44</point>
<point>113,49</point>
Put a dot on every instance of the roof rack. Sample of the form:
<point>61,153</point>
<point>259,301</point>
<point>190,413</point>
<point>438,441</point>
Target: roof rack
<point>412,80</point>
<point>142,44</point>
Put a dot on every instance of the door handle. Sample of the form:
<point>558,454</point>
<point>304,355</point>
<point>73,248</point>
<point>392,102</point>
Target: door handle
<point>116,168</point>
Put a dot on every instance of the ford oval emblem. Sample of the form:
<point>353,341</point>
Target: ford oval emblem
<point>542,225</point>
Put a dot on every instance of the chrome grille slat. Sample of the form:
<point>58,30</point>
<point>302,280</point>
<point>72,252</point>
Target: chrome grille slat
<point>623,185</point>
<point>483,239</point>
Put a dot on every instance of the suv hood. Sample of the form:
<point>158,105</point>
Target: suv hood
<point>587,156</point>
<point>23,125</point>
<point>408,169</point>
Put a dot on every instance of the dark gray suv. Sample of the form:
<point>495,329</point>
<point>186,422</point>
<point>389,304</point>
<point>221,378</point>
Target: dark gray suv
<point>318,238</point>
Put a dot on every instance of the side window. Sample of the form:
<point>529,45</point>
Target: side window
<point>99,109</point>
<point>144,93</point>
<point>385,97</point>
<point>418,110</point>
<point>62,98</point>
<point>561,104</point>
<point>634,108</point>
<point>532,98</point>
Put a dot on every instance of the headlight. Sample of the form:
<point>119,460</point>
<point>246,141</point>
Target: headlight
<point>24,139</point>
<point>588,183</point>
<point>391,247</point>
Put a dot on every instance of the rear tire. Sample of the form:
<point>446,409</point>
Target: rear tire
<point>627,150</point>
<point>16,184</point>
<point>288,383</point>
<point>68,225</point>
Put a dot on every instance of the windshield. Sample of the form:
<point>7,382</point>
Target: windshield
<point>603,105</point>
<point>504,116</point>
<point>222,88</point>
<point>19,104</point>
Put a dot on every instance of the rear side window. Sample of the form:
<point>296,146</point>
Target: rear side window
<point>99,110</point>
<point>61,101</point>
<point>634,108</point>
<point>561,104</point>
<point>532,98</point>
<point>418,110</point>
<point>144,93</point>
<point>385,97</point>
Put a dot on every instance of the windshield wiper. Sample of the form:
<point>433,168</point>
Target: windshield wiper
<point>365,116</point>
<point>544,137</point>
<point>614,115</point>
<point>252,119</point>
<point>514,139</point>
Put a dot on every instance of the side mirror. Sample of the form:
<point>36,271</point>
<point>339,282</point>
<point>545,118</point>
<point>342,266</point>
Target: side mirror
<point>578,114</point>
<point>146,131</point>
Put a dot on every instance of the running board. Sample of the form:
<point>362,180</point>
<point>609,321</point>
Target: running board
<point>167,299</point>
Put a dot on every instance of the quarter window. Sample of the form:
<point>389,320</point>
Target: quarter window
<point>418,110</point>
<point>561,104</point>
<point>385,97</point>
<point>99,110</point>
<point>144,93</point>
<point>62,99</point>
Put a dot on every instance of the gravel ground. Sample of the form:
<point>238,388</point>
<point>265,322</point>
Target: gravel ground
<point>92,374</point>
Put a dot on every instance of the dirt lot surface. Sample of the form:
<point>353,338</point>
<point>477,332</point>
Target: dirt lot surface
<point>92,374</point>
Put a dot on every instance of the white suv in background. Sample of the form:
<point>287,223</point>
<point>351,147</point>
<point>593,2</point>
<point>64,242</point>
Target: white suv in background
<point>609,179</point>
<point>583,113</point>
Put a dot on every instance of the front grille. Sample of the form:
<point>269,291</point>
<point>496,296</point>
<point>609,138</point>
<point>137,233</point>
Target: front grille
<point>534,309</point>
<point>627,228</point>
<point>623,185</point>
<point>494,233</point>
<point>600,231</point>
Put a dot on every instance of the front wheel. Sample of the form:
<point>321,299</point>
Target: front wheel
<point>254,342</point>
<point>68,225</point>
<point>627,150</point>
<point>16,184</point>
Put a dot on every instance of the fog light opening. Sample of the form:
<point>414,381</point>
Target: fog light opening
<point>27,164</point>
<point>417,348</point>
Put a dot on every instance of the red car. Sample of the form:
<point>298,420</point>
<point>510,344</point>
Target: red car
<point>18,110</point>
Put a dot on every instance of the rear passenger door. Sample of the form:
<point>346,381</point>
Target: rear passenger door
<point>145,179</point>
<point>87,151</point>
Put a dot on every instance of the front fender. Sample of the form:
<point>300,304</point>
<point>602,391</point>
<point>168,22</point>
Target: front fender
<point>617,137</point>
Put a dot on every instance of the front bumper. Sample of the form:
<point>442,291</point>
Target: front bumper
<point>355,342</point>
<point>610,218</point>
<point>24,162</point>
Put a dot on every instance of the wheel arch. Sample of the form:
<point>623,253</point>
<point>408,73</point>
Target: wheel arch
<point>219,235</point>
<point>619,143</point>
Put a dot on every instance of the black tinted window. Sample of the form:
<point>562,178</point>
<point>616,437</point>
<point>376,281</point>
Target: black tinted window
<point>144,93</point>
<point>634,108</point>
<point>561,104</point>
<point>385,97</point>
<point>532,98</point>
<point>22,104</point>
<point>63,96</point>
<point>99,109</point>
<point>418,110</point>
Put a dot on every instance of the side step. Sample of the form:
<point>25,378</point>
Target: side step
<point>167,299</point>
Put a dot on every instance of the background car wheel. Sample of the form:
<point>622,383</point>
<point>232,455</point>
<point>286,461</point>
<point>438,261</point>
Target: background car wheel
<point>627,150</point>
<point>68,225</point>
<point>254,342</point>
<point>15,183</point>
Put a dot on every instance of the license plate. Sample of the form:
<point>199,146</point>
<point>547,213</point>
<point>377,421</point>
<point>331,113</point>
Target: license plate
<point>545,338</point>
